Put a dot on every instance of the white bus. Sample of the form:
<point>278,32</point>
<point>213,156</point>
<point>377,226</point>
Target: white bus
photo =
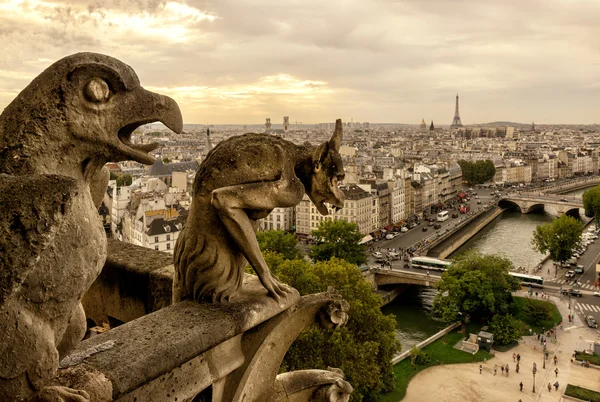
<point>429,263</point>
<point>529,280</point>
<point>442,216</point>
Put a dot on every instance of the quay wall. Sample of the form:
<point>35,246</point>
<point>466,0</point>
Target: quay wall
<point>448,244</point>
<point>421,345</point>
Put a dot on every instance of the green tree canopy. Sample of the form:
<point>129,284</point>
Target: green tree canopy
<point>339,239</point>
<point>477,172</point>
<point>591,203</point>
<point>278,241</point>
<point>475,286</point>
<point>506,328</point>
<point>122,179</point>
<point>558,237</point>
<point>363,349</point>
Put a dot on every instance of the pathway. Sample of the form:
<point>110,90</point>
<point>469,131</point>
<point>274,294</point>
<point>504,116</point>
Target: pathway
<point>462,382</point>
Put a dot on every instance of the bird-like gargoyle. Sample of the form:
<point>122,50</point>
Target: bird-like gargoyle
<point>55,138</point>
<point>242,180</point>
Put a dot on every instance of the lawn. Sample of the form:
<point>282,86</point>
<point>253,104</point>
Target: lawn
<point>441,352</point>
<point>582,393</point>
<point>534,324</point>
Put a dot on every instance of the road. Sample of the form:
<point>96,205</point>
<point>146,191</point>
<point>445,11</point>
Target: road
<point>408,239</point>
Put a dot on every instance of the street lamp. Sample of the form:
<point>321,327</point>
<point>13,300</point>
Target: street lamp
<point>534,371</point>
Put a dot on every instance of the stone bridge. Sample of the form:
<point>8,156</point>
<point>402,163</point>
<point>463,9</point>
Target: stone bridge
<point>384,277</point>
<point>556,204</point>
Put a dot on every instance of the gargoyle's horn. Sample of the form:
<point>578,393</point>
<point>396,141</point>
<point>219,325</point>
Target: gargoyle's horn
<point>336,138</point>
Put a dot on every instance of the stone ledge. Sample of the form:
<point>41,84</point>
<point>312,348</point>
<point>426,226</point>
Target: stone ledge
<point>135,281</point>
<point>158,343</point>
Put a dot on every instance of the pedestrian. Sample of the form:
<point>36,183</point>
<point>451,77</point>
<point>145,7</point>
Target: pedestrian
<point>556,385</point>
<point>521,386</point>
<point>555,360</point>
<point>519,356</point>
<point>538,336</point>
<point>517,368</point>
<point>514,357</point>
<point>502,368</point>
<point>549,387</point>
<point>507,369</point>
<point>480,368</point>
<point>495,369</point>
<point>556,371</point>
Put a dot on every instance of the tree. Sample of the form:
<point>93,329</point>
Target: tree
<point>591,203</point>
<point>476,286</point>
<point>339,239</point>
<point>505,328</point>
<point>124,180</point>
<point>166,160</point>
<point>558,237</point>
<point>363,349</point>
<point>278,241</point>
<point>477,172</point>
<point>418,356</point>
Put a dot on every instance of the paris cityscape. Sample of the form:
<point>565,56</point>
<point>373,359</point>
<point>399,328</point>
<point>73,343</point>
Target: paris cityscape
<point>221,201</point>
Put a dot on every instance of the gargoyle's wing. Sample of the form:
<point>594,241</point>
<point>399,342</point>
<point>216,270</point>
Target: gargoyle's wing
<point>32,209</point>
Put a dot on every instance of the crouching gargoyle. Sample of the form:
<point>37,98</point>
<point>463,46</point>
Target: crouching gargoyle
<point>242,180</point>
<point>55,137</point>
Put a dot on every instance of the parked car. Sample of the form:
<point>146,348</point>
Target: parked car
<point>413,225</point>
<point>570,274</point>
<point>404,229</point>
<point>424,229</point>
<point>591,322</point>
<point>390,236</point>
<point>579,269</point>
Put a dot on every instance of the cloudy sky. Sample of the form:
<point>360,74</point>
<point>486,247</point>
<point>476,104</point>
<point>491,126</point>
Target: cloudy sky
<point>239,61</point>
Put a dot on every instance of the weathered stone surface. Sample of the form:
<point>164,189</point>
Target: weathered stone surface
<point>135,281</point>
<point>54,139</point>
<point>312,385</point>
<point>242,180</point>
<point>152,346</point>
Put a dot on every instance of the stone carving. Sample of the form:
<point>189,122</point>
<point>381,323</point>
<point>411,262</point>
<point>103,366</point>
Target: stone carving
<point>242,180</point>
<point>54,139</point>
<point>312,385</point>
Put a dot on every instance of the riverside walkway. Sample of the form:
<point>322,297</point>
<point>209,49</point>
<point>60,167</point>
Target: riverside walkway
<point>463,382</point>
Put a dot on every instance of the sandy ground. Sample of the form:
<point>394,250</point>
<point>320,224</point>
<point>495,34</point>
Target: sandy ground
<point>464,383</point>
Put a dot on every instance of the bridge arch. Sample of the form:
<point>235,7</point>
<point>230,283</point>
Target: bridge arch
<point>534,207</point>
<point>508,204</point>
<point>573,212</point>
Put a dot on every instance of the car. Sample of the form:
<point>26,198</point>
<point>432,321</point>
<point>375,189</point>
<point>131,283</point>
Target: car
<point>572,292</point>
<point>564,200</point>
<point>377,254</point>
<point>597,294</point>
<point>455,215</point>
<point>389,236</point>
<point>413,225</point>
<point>591,322</point>
<point>437,226</point>
<point>430,223</point>
<point>478,202</point>
<point>570,274</point>
<point>393,256</point>
<point>424,229</point>
<point>579,269</point>
<point>404,229</point>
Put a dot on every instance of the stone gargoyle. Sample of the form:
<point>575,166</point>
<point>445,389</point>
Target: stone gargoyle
<point>242,180</point>
<point>55,137</point>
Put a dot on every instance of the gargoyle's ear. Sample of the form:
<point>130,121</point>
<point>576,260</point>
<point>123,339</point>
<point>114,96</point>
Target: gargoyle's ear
<point>336,138</point>
<point>320,154</point>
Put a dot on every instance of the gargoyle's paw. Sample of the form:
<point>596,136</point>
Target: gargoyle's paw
<point>61,394</point>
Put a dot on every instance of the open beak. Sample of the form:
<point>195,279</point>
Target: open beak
<point>143,107</point>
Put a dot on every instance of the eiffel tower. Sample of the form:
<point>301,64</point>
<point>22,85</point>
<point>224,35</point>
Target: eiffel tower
<point>456,121</point>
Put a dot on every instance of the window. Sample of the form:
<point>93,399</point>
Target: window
<point>168,237</point>
<point>156,247</point>
<point>168,246</point>
<point>278,226</point>
<point>156,240</point>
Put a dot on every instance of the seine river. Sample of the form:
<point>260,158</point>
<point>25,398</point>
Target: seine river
<point>510,234</point>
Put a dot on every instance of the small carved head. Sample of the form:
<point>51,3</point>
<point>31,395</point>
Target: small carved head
<point>335,313</point>
<point>328,170</point>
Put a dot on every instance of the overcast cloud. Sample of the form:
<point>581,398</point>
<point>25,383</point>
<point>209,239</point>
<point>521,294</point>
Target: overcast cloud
<point>237,61</point>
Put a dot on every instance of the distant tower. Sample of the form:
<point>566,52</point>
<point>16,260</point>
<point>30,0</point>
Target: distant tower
<point>423,126</point>
<point>533,126</point>
<point>208,146</point>
<point>268,124</point>
<point>456,121</point>
<point>286,122</point>
<point>431,128</point>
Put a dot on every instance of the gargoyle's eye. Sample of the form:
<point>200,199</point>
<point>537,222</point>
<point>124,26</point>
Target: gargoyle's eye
<point>96,90</point>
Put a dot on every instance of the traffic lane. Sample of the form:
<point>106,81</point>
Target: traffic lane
<point>588,260</point>
<point>587,305</point>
